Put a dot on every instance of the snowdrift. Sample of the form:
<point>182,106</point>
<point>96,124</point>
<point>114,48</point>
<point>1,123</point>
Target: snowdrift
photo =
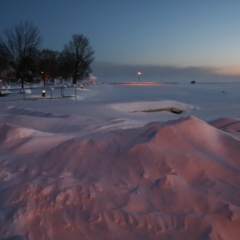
<point>166,180</point>
<point>151,106</point>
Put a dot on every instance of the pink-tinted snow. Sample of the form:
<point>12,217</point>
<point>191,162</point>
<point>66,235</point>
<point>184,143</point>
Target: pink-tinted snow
<point>131,176</point>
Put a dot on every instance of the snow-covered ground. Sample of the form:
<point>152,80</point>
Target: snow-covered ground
<point>117,164</point>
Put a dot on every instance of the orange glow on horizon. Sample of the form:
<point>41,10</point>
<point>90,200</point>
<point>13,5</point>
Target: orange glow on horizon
<point>229,71</point>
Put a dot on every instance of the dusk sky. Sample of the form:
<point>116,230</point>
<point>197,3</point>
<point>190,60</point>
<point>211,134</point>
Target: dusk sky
<point>155,36</point>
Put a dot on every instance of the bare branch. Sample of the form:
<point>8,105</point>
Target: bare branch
<point>22,46</point>
<point>79,53</point>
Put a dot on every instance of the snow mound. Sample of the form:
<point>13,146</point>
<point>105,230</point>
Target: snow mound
<point>151,105</point>
<point>178,178</point>
<point>25,140</point>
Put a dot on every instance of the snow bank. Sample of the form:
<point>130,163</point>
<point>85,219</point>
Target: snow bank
<point>177,179</point>
<point>151,105</point>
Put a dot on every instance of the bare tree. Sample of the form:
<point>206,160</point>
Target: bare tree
<point>48,63</point>
<point>22,48</point>
<point>65,69</point>
<point>79,55</point>
<point>3,56</point>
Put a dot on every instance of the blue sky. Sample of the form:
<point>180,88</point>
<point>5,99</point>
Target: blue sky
<point>179,34</point>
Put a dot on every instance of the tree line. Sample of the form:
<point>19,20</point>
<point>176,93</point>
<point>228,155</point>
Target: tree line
<point>20,50</point>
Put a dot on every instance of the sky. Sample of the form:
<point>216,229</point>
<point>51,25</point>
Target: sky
<point>161,37</point>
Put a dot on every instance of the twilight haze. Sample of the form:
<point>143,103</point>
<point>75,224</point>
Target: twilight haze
<point>161,38</point>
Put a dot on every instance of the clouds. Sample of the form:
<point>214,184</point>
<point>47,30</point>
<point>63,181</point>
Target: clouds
<point>110,71</point>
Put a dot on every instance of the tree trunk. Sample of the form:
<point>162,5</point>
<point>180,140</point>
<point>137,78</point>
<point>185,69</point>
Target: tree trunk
<point>74,79</point>
<point>22,81</point>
